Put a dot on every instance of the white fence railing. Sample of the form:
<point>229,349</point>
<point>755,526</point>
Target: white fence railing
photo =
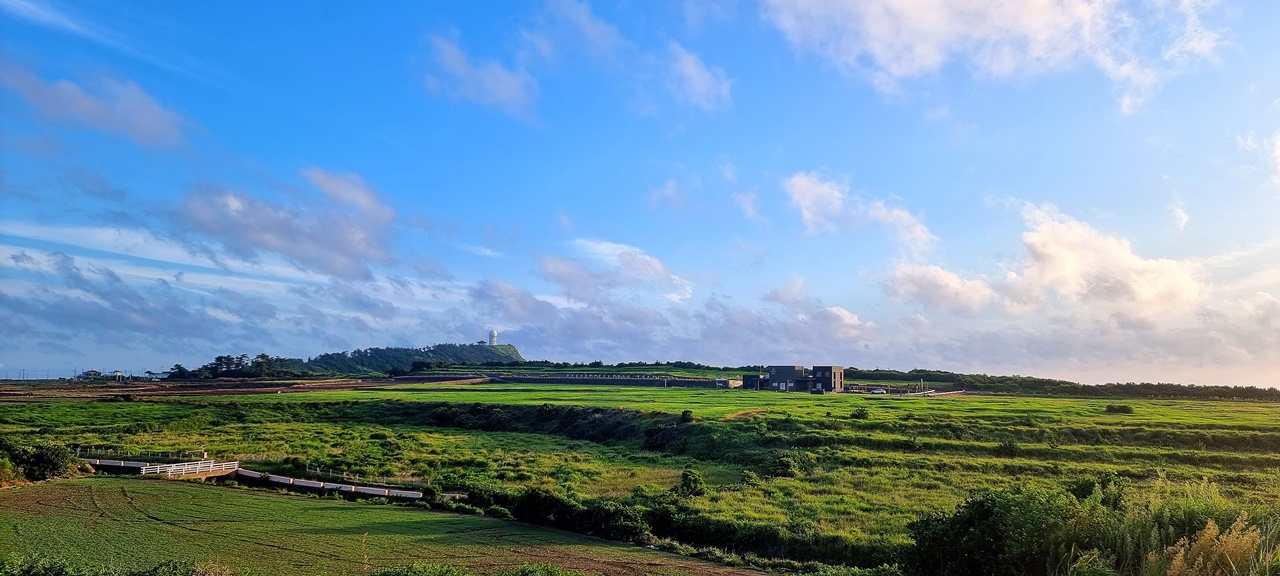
<point>189,467</point>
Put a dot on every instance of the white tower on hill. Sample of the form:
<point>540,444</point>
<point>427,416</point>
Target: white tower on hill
<point>493,337</point>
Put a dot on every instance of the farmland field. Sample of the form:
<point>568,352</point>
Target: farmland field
<point>131,523</point>
<point>848,471</point>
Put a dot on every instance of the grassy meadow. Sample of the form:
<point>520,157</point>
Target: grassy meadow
<point>129,523</point>
<point>854,468</point>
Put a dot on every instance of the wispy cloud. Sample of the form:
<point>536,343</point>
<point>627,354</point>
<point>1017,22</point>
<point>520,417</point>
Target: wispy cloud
<point>746,202</point>
<point>1180,216</point>
<point>669,195</point>
<point>111,106</point>
<point>489,83</point>
<point>632,265</point>
<point>49,15</point>
<point>820,201</point>
<point>695,83</point>
<point>907,227</point>
<point>340,238</point>
<point>890,41</point>
<point>601,38</point>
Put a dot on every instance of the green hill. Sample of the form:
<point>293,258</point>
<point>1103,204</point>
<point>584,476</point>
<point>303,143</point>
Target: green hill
<point>402,359</point>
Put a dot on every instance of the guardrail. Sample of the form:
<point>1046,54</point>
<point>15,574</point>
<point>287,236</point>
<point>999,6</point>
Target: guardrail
<point>182,468</point>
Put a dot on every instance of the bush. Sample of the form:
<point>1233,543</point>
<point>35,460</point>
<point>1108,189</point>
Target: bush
<point>39,566</point>
<point>497,512</point>
<point>9,474</point>
<point>1119,409</point>
<point>540,570</point>
<point>1007,448</point>
<point>614,521</point>
<point>1212,552</point>
<point>860,413</point>
<point>691,484</point>
<point>1018,531</point>
<point>422,569</point>
<point>38,461</point>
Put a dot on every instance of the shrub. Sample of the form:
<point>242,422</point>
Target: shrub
<point>542,506</point>
<point>1110,484</point>
<point>691,484</point>
<point>497,512</point>
<point>614,521</point>
<point>422,569</point>
<point>860,413</point>
<point>540,570</point>
<point>1211,552</point>
<point>1119,409</point>
<point>9,473</point>
<point>1007,448</point>
<point>1016,531</point>
<point>38,461</point>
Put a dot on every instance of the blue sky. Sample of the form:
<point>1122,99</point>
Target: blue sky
<point>1085,189</point>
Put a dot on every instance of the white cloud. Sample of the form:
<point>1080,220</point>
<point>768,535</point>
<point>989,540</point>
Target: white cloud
<point>935,287</point>
<point>1180,216</point>
<point>695,83</point>
<point>892,40</point>
<point>487,83</point>
<point>628,265</point>
<point>832,323</point>
<point>147,245</point>
<point>1267,150</point>
<point>349,188</point>
<point>727,170</point>
<point>820,201</point>
<point>669,194</point>
<point>908,228</point>
<point>113,106</point>
<point>601,38</point>
<point>45,14</point>
<point>1196,41</point>
<point>1071,259</point>
<point>328,238</point>
<point>479,250</point>
<point>746,201</point>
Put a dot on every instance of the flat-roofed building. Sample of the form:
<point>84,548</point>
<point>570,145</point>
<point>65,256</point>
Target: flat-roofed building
<point>783,378</point>
<point>829,378</point>
<point>755,382</point>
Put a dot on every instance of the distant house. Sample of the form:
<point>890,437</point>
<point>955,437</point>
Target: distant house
<point>755,382</point>
<point>90,375</point>
<point>728,383</point>
<point>783,378</point>
<point>828,378</point>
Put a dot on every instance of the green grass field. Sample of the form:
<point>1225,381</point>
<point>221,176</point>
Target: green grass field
<point>821,470</point>
<point>127,522</point>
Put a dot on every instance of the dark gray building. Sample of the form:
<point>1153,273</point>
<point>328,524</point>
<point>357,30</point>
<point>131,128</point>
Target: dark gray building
<point>783,378</point>
<point>829,378</point>
<point>755,382</point>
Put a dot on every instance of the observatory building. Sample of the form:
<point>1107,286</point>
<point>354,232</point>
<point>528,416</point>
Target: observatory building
<point>493,337</point>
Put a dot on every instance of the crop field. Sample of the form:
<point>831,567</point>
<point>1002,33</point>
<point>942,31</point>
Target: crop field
<point>133,523</point>
<point>858,468</point>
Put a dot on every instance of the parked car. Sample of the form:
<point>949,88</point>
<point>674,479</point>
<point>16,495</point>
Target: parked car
<point>879,391</point>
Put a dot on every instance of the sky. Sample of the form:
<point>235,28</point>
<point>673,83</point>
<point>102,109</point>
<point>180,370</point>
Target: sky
<point>1080,189</point>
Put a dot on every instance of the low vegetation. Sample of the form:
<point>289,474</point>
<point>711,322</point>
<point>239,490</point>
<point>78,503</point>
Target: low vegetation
<point>776,481</point>
<point>24,460</point>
